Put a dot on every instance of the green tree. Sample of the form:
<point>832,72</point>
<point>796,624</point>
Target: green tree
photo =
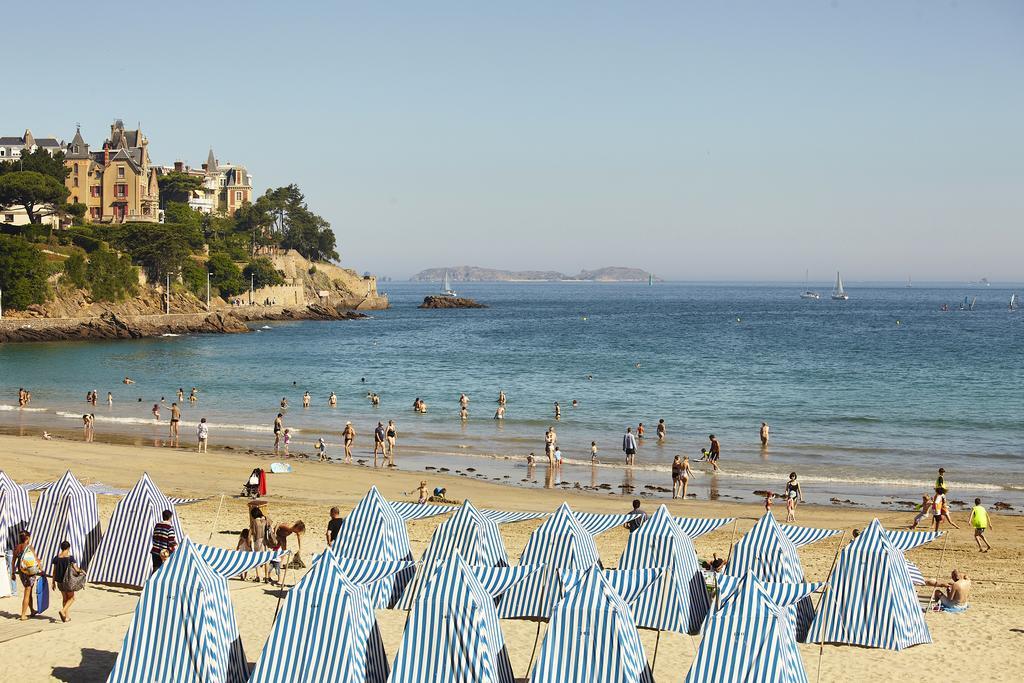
<point>177,187</point>
<point>185,216</point>
<point>282,217</point>
<point>111,276</point>
<point>39,194</point>
<point>160,248</point>
<point>22,273</point>
<point>225,275</point>
<point>311,236</point>
<point>261,273</point>
<point>74,270</point>
<point>39,161</point>
<point>194,278</point>
<point>76,211</point>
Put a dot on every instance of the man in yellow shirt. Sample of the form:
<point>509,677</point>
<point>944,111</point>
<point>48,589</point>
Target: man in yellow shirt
<point>980,522</point>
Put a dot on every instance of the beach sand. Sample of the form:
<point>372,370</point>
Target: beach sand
<point>984,644</point>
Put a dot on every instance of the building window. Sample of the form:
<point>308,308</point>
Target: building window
<point>120,171</point>
<point>8,218</point>
<point>238,196</point>
<point>223,182</point>
<point>76,179</point>
<point>76,169</point>
<point>3,152</point>
<point>94,191</point>
<point>120,190</point>
<point>95,212</point>
<point>74,200</point>
<point>76,149</point>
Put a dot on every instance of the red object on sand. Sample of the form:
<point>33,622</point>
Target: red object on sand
<point>263,483</point>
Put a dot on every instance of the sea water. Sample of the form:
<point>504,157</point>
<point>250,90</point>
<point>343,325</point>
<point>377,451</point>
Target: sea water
<point>865,398</point>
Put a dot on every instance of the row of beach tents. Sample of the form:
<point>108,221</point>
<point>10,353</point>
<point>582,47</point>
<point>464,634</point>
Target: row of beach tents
<point>760,607</point>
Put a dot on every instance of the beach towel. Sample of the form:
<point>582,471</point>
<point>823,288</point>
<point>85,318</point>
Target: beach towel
<point>280,468</point>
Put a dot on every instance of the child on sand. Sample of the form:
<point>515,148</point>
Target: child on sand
<point>203,434</point>
<point>321,448</point>
<point>593,452</point>
<point>926,506</point>
<point>287,439</point>
<point>768,500</point>
<point>421,491</point>
<point>791,508</point>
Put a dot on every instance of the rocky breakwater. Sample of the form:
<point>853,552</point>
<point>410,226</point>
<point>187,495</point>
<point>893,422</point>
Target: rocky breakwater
<point>450,302</point>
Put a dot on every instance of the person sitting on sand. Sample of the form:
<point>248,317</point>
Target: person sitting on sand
<point>926,506</point>
<point>954,593</point>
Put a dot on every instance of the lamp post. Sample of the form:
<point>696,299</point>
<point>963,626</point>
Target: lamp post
<point>252,287</point>
<point>207,291</point>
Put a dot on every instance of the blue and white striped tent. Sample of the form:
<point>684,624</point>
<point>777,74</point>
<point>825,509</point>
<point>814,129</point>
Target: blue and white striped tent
<point>592,638</point>
<point>747,636</point>
<point>695,527</point>
<point>630,584</point>
<point>123,557</point>
<point>327,630</point>
<point>183,628</point>
<point>597,523</point>
<point>871,599</point>
<point>66,511</point>
<point>15,512</point>
<point>560,543</point>
<point>767,552</point>
<point>681,603</point>
<point>908,540</point>
<point>410,511</point>
<point>375,531</point>
<point>805,535</point>
<point>231,563</point>
<point>453,634</point>
<point>506,517</point>
<point>469,533</point>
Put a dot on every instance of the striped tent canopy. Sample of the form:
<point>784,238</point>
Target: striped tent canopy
<point>505,517</point>
<point>183,628</point>
<point>695,527</point>
<point>916,577</point>
<point>596,523</point>
<point>123,557</point>
<point>871,600</point>
<point>681,603</point>
<point>375,531</point>
<point>15,512</point>
<point>766,552</point>
<point>230,563</point>
<point>410,511</point>
<point>66,511</point>
<point>908,540</point>
<point>805,535</point>
<point>630,584</point>
<point>592,638</point>
<point>327,630</point>
<point>470,534</point>
<point>747,637</point>
<point>367,572</point>
<point>106,490</point>
<point>560,543</point>
<point>453,634</point>
<point>37,486</point>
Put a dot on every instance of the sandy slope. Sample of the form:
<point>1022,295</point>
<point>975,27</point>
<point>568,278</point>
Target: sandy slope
<point>985,644</point>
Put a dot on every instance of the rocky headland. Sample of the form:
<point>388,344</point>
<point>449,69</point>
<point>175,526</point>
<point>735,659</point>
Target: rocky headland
<point>450,302</point>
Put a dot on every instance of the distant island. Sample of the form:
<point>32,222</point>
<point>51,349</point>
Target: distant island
<point>477,274</point>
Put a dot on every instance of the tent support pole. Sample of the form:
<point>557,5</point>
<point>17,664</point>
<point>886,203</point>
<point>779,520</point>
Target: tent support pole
<point>280,594</point>
<point>216,519</point>
<point>824,619</point>
<point>533,652</point>
<point>735,526</point>
<point>666,577</point>
<point>942,559</point>
<point>654,660</point>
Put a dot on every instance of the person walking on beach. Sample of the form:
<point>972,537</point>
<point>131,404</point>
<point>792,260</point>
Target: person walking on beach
<point>661,429</point>
<point>278,428</point>
<point>164,540</point>
<point>202,434</point>
<point>593,452</point>
<point>66,576</point>
<point>287,440</point>
<point>940,481</point>
<point>940,510</point>
<point>175,418</point>
<point>86,428</point>
<point>764,434</point>
<point>349,436</point>
<point>926,506</point>
<point>793,492</point>
<point>981,522</point>
<point>334,526</point>
<point>680,477</point>
<point>321,449</point>
<point>629,446</point>
<point>392,436</point>
<point>378,443</point>
<point>25,568</point>
<point>714,452</point>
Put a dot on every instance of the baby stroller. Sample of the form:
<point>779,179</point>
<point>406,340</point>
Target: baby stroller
<point>255,485</point>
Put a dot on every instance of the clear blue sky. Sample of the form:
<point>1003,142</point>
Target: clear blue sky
<point>709,140</point>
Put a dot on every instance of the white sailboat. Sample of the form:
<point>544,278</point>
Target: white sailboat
<point>838,293</point>
<point>808,293</point>
<point>1014,302</point>
<point>446,288</point>
<point>909,284</point>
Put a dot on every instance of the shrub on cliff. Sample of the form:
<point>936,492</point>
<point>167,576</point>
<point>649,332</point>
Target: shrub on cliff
<point>261,273</point>
<point>74,271</point>
<point>110,276</point>
<point>22,273</point>
<point>225,275</point>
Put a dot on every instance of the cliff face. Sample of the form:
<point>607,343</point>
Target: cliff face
<point>328,284</point>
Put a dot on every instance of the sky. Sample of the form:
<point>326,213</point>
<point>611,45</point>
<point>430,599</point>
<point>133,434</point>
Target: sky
<point>698,140</point>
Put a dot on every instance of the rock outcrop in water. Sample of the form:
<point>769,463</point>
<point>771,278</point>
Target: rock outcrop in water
<point>450,302</point>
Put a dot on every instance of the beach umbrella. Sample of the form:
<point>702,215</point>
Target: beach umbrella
<point>469,533</point>
<point>560,543</point>
<point>453,633</point>
<point>183,628</point>
<point>124,555</point>
<point>66,511</point>
<point>327,629</point>
<point>747,636</point>
<point>871,599</point>
<point>695,527</point>
<point>15,513</point>
<point>767,552</point>
<point>592,638</point>
<point>374,531</point>
<point>681,604</point>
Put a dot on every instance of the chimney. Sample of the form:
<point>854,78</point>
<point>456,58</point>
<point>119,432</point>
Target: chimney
<point>179,166</point>
<point>106,154</point>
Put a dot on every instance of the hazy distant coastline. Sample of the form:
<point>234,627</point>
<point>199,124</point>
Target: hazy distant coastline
<point>478,274</point>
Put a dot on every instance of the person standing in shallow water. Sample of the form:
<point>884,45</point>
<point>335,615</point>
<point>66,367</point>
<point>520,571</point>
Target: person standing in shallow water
<point>378,443</point>
<point>629,446</point>
<point>392,436</point>
<point>662,430</point>
<point>278,428</point>
<point>764,434</point>
<point>349,436</point>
